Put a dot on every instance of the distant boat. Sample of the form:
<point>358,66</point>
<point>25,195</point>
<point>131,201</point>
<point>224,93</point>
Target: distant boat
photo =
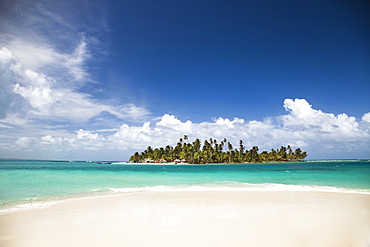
<point>104,162</point>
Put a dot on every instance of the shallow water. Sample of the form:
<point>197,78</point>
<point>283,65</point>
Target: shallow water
<point>25,184</point>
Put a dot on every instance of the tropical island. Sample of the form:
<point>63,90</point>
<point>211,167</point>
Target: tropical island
<point>213,152</point>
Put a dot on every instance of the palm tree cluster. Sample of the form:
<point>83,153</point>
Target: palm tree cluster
<point>213,152</point>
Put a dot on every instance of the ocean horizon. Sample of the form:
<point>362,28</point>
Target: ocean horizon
<point>27,184</point>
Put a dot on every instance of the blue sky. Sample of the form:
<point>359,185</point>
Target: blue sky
<point>101,79</point>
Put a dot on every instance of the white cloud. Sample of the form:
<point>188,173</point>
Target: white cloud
<point>45,50</point>
<point>76,61</point>
<point>302,114</point>
<point>172,123</point>
<point>366,117</point>
<point>302,127</point>
<point>316,124</point>
<point>42,97</point>
<point>227,122</point>
<point>86,134</point>
<point>45,60</point>
<point>36,56</point>
<point>44,40</point>
<point>23,142</point>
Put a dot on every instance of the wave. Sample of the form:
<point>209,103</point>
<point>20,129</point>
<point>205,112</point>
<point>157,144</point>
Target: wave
<point>28,206</point>
<point>338,160</point>
<point>224,187</point>
<point>241,187</point>
<point>43,203</point>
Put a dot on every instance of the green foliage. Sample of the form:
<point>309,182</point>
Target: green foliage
<point>213,152</point>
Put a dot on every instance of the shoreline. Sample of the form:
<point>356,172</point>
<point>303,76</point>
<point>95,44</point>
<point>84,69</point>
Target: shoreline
<point>206,164</point>
<point>46,202</point>
<point>195,218</point>
<point>245,163</point>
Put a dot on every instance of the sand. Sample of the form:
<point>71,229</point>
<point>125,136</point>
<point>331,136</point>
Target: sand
<point>195,219</point>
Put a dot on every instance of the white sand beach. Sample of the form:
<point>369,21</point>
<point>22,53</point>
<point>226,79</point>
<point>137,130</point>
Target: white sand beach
<point>195,219</point>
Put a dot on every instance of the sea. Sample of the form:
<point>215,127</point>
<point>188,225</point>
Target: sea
<point>27,184</point>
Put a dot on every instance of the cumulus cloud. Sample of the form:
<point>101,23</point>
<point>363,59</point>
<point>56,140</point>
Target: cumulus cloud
<point>172,123</point>
<point>366,117</point>
<point>303,115</point>
<point>302,126</point>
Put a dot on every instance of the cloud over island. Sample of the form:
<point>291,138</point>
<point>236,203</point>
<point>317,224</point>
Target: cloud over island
<point>321,134</point>
<point>303,127</point>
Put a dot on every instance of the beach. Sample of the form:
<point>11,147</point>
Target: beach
<point>195,218</point>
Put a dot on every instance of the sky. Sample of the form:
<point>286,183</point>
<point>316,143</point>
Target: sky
<point>100,80</point>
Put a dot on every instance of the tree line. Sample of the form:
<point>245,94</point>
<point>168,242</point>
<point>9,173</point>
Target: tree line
<point>213,152</point>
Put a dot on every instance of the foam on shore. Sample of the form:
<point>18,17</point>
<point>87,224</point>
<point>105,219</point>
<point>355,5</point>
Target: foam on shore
<point>243,187</point>
<point>222,187</point>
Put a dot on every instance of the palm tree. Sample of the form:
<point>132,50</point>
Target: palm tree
<point>254,154</point>
<point>297,154</point>
<point>135,158</point>
<point>282,153</point>
<point>196,145</point>
<point>290,153</point>
<point>177,150</point>
<point>264,156</point>
<point>230,146</point>
<point>303,156</point>
<point>241,151</point>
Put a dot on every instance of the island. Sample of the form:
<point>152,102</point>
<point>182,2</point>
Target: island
<point>212,152</point>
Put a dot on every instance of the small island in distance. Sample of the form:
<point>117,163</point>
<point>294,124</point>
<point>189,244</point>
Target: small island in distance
<point>212,152</point>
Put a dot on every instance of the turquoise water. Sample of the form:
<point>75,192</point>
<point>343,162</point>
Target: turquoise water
<point>25,184</point>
